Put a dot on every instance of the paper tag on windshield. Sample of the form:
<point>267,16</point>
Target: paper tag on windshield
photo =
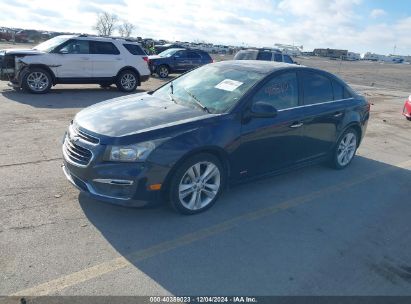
<point>228,85</point>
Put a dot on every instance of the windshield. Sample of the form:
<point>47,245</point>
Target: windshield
<point>167,53</point>
<point>216,87</point>
<point>246,55</point>
<point>51,44</point>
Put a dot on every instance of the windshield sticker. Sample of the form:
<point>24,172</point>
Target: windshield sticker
<point>228,85</point>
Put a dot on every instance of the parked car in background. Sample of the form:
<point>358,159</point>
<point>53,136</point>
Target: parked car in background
<point>263,54</point>
<point>76,59</point>
<point>406,111</point>
<point>6,34</point>
<point>162,47</point>
<point>177,60</point>
<point>28,36</point>
<point>222,123</point>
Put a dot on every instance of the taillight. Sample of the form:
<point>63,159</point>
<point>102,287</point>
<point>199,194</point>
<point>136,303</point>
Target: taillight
<point>145,58</point>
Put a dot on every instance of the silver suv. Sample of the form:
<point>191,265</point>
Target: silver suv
<point>76,59</point>
<point>263,54</point>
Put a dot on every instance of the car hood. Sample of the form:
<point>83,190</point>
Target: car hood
<point>135,114</point>
<point>22,52</point>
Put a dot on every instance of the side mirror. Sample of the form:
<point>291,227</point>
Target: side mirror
<point>262,109</point>
<point>63,51</point>
<point>176,57</point>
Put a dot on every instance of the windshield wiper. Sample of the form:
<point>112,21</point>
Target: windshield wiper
<point>197,102</point>
<point>171,94</point>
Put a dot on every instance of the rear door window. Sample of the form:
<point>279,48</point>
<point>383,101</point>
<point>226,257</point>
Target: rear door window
<point>317,88</point>
<point>134,49</point>
<point>281,91</point>
<point>193,55</point>
<point>266,56</point>
<point>103,48</point>
<point>278,57</point>
<point>246,55</point>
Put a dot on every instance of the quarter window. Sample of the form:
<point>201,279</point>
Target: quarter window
<point>317,88</point>
<point>281,91</point>
<point>103,48</point>
<point>288,59</point>
<point>134,49</point>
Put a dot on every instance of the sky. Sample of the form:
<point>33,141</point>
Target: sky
<point>357,25</point>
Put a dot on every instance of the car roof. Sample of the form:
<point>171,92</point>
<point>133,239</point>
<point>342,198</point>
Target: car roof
<point>264,67</point>
<point>98,38</point>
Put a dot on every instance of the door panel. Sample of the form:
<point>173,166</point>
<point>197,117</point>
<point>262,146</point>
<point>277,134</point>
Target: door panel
<point>72,59</point>
<point>106,59</point>
<point>323,114</point>
<point>321,124</point>
<point>195,59</point>
<point>181,61</point>
<point>269,144</point>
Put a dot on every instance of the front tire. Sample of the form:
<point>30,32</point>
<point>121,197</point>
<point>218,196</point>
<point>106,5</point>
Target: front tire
<point>127,81</point>
<point>197,184</point>
<point>37,81</point>
<point>345,149</point>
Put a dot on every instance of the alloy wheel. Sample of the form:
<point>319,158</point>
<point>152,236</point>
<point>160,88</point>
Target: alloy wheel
<point>346,149</point>
<point>199,185</point>
<point>38,81</point>
<point>128,81</point>
<point>163,72</point>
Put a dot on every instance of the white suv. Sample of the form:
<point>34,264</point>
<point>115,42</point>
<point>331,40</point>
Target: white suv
<point>76,59</point>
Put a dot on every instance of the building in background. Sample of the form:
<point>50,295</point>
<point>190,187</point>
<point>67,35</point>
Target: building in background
<point>331,53</point>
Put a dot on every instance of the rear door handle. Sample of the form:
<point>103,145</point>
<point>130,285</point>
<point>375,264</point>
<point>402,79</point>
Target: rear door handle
<point>296,125</point>
<point>338,114</point>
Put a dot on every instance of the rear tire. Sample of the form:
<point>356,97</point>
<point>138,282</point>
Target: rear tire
<point>196,184</point>
<point>36,81</point>
<point>163,71</point>
<point>345,149</point>
<point>127,81</point>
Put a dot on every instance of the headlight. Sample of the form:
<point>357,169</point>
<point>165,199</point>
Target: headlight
<point>132,153</point>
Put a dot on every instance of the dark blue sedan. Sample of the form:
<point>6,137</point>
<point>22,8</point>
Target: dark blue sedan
<point>177,60</point>
<point>222,123</point>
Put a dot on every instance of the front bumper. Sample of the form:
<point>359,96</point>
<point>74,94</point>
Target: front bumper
<point>125,184</point>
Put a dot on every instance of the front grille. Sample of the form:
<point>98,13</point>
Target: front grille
<point>77,132</point>
<point>76,154</point>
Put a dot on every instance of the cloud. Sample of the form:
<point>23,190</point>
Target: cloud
<point>312,23</point>
<point>376,13</point>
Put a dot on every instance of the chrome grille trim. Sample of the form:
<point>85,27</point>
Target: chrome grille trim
<point>75,131</point>
<point>75,154</point>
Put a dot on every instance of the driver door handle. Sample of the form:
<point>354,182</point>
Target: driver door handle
<point>338,114</point>
<point>296,124</point>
